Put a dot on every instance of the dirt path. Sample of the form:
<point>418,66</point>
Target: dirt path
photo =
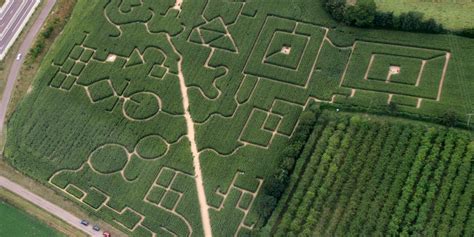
<point>206,221</point>
<point>440,89</point>
<point>47,206</point>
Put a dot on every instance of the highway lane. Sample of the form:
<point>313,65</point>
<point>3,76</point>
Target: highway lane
<point>16,66</point>
<point>13,17</point>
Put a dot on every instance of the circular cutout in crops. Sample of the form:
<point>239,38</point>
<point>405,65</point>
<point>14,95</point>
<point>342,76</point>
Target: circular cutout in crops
<point>109,159</point>
<point>151,147</point>
<point>141,106</point>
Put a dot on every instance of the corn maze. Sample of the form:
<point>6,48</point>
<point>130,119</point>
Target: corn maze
<point>166,118</point>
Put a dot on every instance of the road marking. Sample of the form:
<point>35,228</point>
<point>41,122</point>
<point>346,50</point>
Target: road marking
<point>17,14</point>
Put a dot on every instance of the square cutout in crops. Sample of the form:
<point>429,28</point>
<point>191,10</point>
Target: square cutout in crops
<point>396,69</point>
<point>87,55</point>
<point>245,200</point>
<point>74,191</point>
<point>77,69</point>
<point>170,200</point>
<point>58,80</point>
<point>272,122</point>
<point>67,66</point>
<point>285,51</point>
<point>76,52</point>
<point>165,178</point>
<point>94,198</point>
<point>158,71</point>
<point>156,194</point>
<point>69,82</point>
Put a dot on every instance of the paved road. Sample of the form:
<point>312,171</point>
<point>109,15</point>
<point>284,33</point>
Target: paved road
<point>16,66</point>
<point>13,18</point>
<point>46,205</point>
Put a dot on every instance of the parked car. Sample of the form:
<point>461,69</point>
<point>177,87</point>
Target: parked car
<point>18,57</point>
<point>96,228</point>
<point>84,223</point>
<point>106,234</point>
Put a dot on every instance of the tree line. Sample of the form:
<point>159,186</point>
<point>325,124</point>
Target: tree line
<point>371,177</point>
<point>365,14</point>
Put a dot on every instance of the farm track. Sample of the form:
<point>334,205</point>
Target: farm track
<point>204,208</point>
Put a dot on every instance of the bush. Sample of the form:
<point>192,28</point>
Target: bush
<point>276,185</point>
<point>335,8</point>
<point>467,33</point>
<point>47,32</point>
<point>449,118</point>
<point>362,14</point>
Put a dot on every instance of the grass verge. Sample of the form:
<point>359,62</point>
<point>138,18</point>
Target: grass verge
<point>52,196</point>
<point>37,212</point>
<point>45,39</point>
<point>453,15</point>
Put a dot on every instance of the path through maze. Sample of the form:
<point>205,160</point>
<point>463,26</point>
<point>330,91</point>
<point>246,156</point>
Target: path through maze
<point>166,117</point>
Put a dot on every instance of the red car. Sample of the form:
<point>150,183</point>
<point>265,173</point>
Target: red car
<point>106,234</point>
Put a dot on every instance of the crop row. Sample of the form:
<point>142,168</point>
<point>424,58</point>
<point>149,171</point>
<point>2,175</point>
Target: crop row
<point>375,177</point>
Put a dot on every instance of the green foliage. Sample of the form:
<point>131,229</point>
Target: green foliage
<point>74,191</point>
<point>21,224</point>
<point>112,79</point>
<point>362,14</point>
<point>109,159</point>
<point>372,177</point>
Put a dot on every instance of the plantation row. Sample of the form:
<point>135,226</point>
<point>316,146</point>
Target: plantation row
<point>369,177</point>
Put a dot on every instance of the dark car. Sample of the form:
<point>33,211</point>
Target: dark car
<point>96,228</point>
<point>84,223</point>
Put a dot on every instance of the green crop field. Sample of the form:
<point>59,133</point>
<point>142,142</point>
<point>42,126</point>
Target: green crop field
<point>369,177</point>
<point>167,118</point>
<point>453,14</point>
<point>14,222</point>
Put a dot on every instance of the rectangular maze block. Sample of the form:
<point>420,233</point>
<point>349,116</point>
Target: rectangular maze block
<point>252,132</point>
<point>285,51</point>
<point>394,69</point>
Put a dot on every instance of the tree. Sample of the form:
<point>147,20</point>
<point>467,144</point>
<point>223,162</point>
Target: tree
<point>362,14</point>
<point>449,118</point>
<point>467,32</point>
<point>432,26</point>
<point>384,19</point>
<point>336,8</point>
<point>392,107</point>
<point>411,21</point>
<point>266,204</point>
